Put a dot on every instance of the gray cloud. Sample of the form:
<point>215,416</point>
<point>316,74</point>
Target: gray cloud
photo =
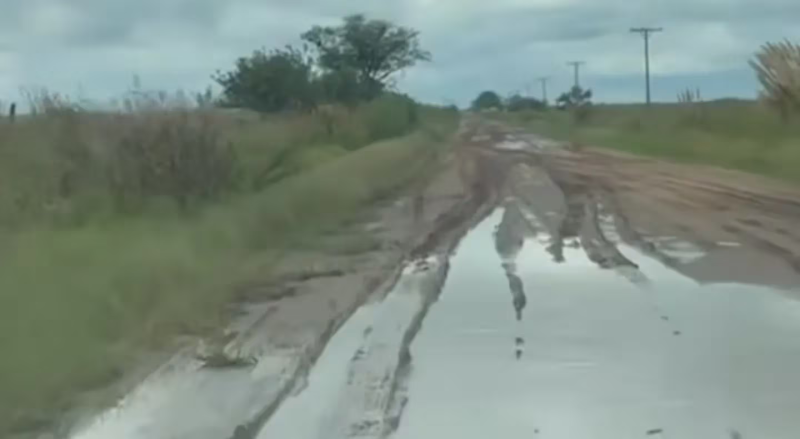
<point>96,46</point>
<point>70,23</point>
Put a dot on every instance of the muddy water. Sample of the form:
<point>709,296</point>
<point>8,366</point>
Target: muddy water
<point>566,335</point>
<point>523,346</point>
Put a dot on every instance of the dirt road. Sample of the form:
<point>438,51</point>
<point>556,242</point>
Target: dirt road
<point>552,292</point>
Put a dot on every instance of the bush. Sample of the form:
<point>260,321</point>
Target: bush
<point>487,100</point>
<point>389,116</point>
<point>578,101</point>
<point>278,145</point>
<point>175,153</point>
<point>521,103</point>
<point>270,81</point>
<point>342,87</point>
<point>47,164</point>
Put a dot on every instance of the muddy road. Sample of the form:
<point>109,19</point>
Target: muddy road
<point>562,292</point>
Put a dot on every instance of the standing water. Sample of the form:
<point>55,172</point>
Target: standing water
<point>548,325</point>
<point>608,353</point>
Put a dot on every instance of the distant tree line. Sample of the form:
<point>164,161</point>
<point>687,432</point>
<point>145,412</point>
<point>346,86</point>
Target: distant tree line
<point>490,100</point>
<point>345,64</point>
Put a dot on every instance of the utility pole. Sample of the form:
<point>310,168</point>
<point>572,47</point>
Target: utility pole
<point>646,31</point>
<point>544,80</point>
<point>577,66</point>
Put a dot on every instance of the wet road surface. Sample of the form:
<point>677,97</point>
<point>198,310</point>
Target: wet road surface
<point>557,321</point>
<point>555,317</point>
<point>531,339</point>
<point>600,356</point>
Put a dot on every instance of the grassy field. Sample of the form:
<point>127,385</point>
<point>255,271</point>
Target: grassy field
<point>732,134</point>
<point>87,283</point>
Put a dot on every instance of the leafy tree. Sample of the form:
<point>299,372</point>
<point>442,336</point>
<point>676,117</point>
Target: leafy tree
<point>486,100</point>
<point>577,100</point>
<point>277,80</point>
<point>341,86</point>
<point>777,67</point>
<point>373,49</point>
<point>520,103</point>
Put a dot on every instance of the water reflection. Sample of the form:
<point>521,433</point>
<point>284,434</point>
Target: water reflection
<point>509,239</point>
<point>637,348</point>
<point>606,364</point>
<point>571,223</point>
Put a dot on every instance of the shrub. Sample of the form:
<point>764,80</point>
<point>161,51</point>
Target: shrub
<point>270,81</point>
<point>578,101</point>
<point>389,116</point>
<point>171,153</point>
<point>342,87</point>
<point>487,100</point>
<point>521,103</point>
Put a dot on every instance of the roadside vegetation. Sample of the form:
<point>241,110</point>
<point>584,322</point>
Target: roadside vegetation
<point>120,230</point>
<point>756,136</point>
<point>732,134</point>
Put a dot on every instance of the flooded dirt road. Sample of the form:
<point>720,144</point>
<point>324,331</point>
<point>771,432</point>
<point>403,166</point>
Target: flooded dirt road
<point>589,296</point>
<point>523,345</point>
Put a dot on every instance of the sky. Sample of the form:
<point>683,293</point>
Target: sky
<point>91,49</point>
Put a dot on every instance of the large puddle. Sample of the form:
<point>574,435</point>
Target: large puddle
<point>564,332</point>
<point>532,340</point>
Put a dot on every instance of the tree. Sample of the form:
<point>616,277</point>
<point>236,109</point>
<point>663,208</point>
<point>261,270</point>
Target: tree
<point>577,100</point>
<point>520,103</point>
<point>373,49</point>
<point>486,100</point>
<point>278,80</point>
<point>341,86</point>
<point>777,67</point>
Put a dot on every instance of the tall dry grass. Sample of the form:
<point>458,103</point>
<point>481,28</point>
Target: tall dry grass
<point>67,165</point>
<point>777,66</point>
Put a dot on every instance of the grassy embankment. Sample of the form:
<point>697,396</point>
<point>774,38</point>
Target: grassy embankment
<point>98,263</point>
<point>732,134</point>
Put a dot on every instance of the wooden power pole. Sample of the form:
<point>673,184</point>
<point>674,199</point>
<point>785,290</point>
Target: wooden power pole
<point>577,66</point>
<point>646,31</point>
<point>544,80</point>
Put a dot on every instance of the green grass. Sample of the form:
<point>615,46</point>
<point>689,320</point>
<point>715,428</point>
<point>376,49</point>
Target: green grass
<point>70,166</point>
<point>79,301</point>
<point>729,134</point>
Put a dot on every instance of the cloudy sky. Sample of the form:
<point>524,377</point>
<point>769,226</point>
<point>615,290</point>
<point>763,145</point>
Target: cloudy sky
<point>93,48</point>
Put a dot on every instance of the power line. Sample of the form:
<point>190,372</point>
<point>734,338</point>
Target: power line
<point>544,80</point>
<point>646,31</point>
<point>577,66</point>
